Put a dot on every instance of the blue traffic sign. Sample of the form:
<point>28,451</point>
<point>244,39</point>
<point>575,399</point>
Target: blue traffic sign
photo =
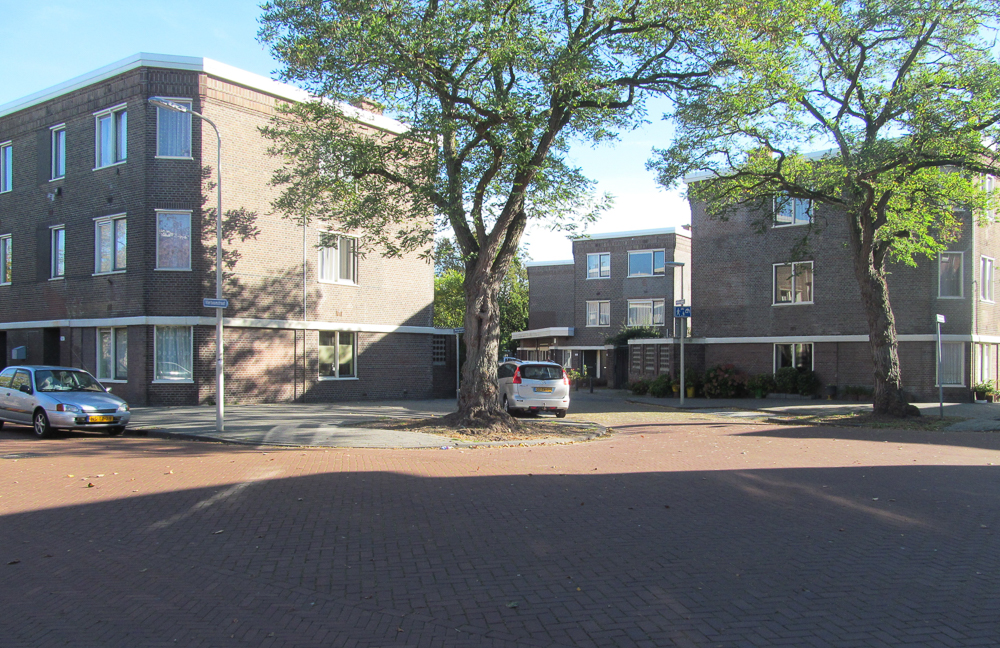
<point>215,303</point>
<point>682,311</point>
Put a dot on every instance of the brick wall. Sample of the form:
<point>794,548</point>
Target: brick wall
<point>550,296</point>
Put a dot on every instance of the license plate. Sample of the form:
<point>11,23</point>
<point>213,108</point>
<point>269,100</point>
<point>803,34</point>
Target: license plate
<point>547,390</point>
<point>100,419</point>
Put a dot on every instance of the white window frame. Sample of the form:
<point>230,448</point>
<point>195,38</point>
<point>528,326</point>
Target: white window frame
<point>797,207</point>
<point>796,352</point>
<point>57,236</point>
<point>57,152</point>
<point>116,135</point>
<point>336,345</point>
<point>961,276</point>
<point>597,304</point>
<point>961,368</point>
<point>6,250</point>
<point>172,212</point>
<point>334,253</point>
<point>113,222</point>
<point>652,262</point>
<point>987,265</point>
<point>156,369</point>
<point>113,331</point>
<point>652,311</point>
<point>600,268</point>
<point>983,360</point>
<point>6,166</point>
<point>184,101</point>
<point>774,283</point>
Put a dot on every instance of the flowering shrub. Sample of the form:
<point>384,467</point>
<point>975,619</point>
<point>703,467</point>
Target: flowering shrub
<point>724,381</point>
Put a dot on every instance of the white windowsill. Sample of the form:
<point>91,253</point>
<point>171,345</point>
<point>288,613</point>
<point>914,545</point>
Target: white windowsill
<point>944,297</point>
<point>644,276</point>
<point>6,283</point>
<point>57,278</point>
<point>780,225</point>
<point>172,269</point>
<point>330,282</point>
<point>173,157</point>
<point>334,378</point>
<point>808,303</point>
<point>173,382</point>
<point>112,272</point>
<point>114,381</point>
<point>108,166</point>
<point>6,191</point>
<point>62,177</point>
<point>596,278</point>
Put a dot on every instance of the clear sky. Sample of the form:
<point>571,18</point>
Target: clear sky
<point>50,42</point>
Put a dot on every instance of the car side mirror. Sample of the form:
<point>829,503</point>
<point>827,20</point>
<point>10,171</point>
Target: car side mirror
<point>25,388</point>
<point>107,389</point>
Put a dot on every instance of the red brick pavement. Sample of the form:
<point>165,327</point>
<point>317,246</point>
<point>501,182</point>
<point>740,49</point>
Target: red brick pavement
<point>707,534</point>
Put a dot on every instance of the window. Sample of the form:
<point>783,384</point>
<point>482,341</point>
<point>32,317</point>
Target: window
<point>109,244</point>
<point>111,138</point>
<point>646,263</point>
<point>338,263</point>
<point>58,151</point>
<point>439,351</point>
<point>799,356</point>
<point>599,265</point>
<point>173,353</point>
<point>645,312</point>
<point>793,283</point>
<point>336,355</point>
<point>986,279</point>
<point>112,354</point>
<point>984,361</point>
<point>6,166</point>
<point>952,363</point>
<point>792,211</point>
<point>57,252</point>
<point>598,313</point>
<point>173,131</point>
<point>173,240</point>
<point>5,260</point>
<point>950,274</point>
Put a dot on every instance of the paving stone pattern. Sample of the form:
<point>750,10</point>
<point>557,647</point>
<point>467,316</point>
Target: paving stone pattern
<point>707,533</point>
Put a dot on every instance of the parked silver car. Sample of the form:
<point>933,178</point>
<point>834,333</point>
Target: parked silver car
<point>527,386</point>
<point>59,398</point>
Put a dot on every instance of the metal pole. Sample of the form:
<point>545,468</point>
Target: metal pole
<point>940,382</point>
<point>683,333</point>
<point>458,390</point>
<point>220,415</point>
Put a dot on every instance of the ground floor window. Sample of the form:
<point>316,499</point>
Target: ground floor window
<point>952,363</point>
<point>439,352</point>
<point>337,352</point>
<point>985,354</point>
<point>112,354</point>
<point>799,356</point>
<point>174,357</point>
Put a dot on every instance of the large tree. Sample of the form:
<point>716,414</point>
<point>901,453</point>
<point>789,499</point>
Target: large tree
<point>883,112</point>
<point>493,94</point>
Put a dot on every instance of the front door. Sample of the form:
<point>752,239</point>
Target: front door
<point>590,361</point>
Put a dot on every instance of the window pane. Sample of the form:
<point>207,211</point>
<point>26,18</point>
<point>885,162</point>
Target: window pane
<point>104,259</point>
<point>346,252</point>
<point>173,353</point>
<point>803,281</point>
<point>640,313</point>
<point>950,267</point>
<point>58,153</point>
<point>345,355</point>
<point>783,284</point>
<point>121,353</point>
<point>782,356</point>
<point>803,210</point>
<point>951,363</point>
<point>593,266</point>
<point>58,252</point>
<point>605,317</point>
<point>986,278</point>
<point>327,354</point>
<point>105,141</point>
<point>803,357</point>
<point>784,210</point>
<point>173,132</point>
<point>120,240</point>
<point>173,241</point>
<point>104,353</point>
<point>658,312</point>
<point>658,267</point>
<point>605,265</point>
<point>5,259</point>
<point>640,263</point>
<point>6,168</point>
<point>121,135</point>
<point>592,313</point>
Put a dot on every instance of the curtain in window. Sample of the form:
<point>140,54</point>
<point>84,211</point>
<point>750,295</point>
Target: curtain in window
<point>592,312</point>
<point>173,132</point>
<point>659,315</point>
<point>173,241</point>
<point>5,260</point>
<point>105,260</point>
<point>327,263</point>
<point>58,252</point>
<point>6,170</point>
<point>951,275</point>
<point>173,353</point>
<point>121,353</point>
<point>605,317</point>
<point>952,363</point>
<point>346,250</point>
<point>120,239</point>
<point>640,313</point>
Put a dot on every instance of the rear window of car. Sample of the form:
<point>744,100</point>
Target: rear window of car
<point>541,372</point>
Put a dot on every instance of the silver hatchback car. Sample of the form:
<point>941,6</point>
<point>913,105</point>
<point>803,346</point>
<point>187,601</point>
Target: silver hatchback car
<point>528,386</point>
<point>59,398</point>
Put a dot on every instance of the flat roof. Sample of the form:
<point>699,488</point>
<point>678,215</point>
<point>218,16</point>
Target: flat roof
<point>193,64</point>
<point>648,232</point>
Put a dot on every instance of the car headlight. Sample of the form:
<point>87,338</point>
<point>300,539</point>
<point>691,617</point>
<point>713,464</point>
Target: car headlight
<point>123,407</point>
<point>68,407</point>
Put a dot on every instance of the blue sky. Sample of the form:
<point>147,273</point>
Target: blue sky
<point>50,42</point>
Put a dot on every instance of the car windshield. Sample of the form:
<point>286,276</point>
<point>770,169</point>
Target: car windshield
<point>54,380</point>
<point>541,372</point>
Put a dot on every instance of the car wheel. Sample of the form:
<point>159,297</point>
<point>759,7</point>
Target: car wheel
<point>117,430</point>
<point>1,425</point>
<point>506,406</point>
<point>41,424</point>
<point>560,413</point>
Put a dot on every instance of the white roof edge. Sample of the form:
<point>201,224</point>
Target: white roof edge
<point>552,331</point>
<point>538,264</point>
<point>193,64</point>
<point>650,232</point>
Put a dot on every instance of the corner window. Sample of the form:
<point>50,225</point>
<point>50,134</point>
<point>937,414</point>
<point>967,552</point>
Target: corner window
<point>110,238</point>
<point>338,262</point>
<point>645,312</point>
<point>337,351</point>
<point>6,166</point>
<point>646,263</point>
<point>173,353</point>
<point>599,265</point>
<point>952,363</point>
<point>57,252</point>
<point>986,279</point>
<point>799,356</point>
<point>599,313</point>
<point>793,283</point>
<point>5,260</point>
<point>112,354</point>
<point>111,137</point>
<point>950,274</point>
<point>792,211</point>
<point>173,131</point>
<point>173,240</point>
<point>58,151</point>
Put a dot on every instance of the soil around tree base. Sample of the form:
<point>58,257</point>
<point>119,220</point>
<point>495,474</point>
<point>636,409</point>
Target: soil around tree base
<point>525,430</point>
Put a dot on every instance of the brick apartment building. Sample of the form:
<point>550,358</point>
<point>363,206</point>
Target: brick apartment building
<point>614,280</point>
<point>107,236</point>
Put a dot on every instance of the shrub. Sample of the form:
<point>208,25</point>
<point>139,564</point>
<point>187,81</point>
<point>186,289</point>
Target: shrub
<point>807,383</point>
<point>661,387</point>
<point>724,381</point>
<point>627,333</point>
<point>786,380</point>
<point>639,387</point>
<point>986,388</point>
<point>763,383</point>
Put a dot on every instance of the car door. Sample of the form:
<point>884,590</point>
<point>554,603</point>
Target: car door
<point>5,377</point>
<point>20,404</point>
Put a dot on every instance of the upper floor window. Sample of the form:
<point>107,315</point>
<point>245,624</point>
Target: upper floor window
<point>599,313</point>
<point>338,261</point>
<point>646,263</point>
<point>57,249</point>
<point>173,240</point>
<point>58,151</point>
<point>986,279</point>
<point>111,136</point>
<point>173,131</point>
<point>793,283</point>
<point>110,238</point>
<point>792,211</point>
<point>950,274</point>
<point>599,265</point>
<point>5,260</point>
<point>337,351</point>
<point>6,166</point>
<point>646,312</point>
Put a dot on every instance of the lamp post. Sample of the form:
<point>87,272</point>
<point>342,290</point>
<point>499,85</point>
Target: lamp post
<point>159,102</point>
<point>680,264</point>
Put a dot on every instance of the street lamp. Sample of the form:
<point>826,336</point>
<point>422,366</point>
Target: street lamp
<point>680,264</point>
<point>160,102</point>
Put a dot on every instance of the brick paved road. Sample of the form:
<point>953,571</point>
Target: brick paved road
<point>698,533</point>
